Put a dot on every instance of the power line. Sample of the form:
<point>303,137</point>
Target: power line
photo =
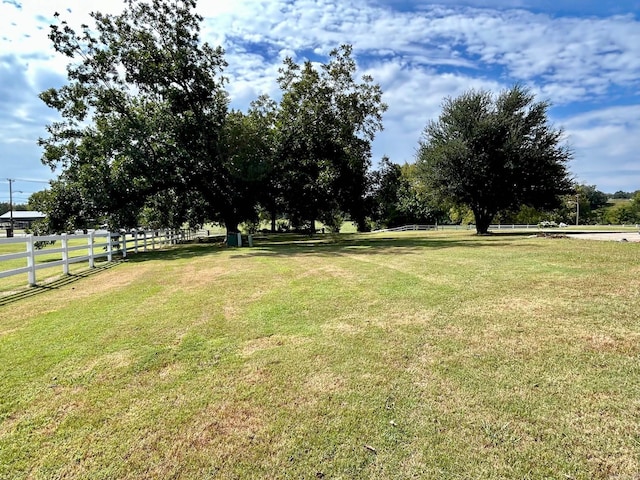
<point>29,180</point>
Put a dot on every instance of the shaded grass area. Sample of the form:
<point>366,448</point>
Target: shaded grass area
<point>418,355</point>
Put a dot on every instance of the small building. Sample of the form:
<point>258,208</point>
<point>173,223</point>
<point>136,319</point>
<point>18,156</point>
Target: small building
<point>21,218</point>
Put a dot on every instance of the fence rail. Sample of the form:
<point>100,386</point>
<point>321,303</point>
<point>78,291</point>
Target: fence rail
<point>509,226</point>
<point>409,228</point>
<point>98,245</point>
<point>415,227</point>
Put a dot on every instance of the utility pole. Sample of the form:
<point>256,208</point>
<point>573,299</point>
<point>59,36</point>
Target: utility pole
<point>10,232</point>
<point>577,208</point>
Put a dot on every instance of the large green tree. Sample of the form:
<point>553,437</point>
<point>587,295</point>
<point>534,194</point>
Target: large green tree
<point>494,153</point>
<point>326,122</point>
<point>142,112</point>
<point>247,160</point>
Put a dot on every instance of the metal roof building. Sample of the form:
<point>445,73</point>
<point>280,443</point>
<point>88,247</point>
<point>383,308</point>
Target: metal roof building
<point>21,218</point>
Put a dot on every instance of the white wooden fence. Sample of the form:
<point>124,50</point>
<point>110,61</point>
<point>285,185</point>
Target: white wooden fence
<point>99,244</point>
<point>408,228</point>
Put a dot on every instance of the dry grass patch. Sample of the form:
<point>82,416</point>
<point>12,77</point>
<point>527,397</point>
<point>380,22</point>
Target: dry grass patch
<point>270,342</point>
<point>431,355</point>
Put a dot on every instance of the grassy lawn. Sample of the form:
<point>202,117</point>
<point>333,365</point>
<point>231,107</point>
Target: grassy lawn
<point>389,356</point>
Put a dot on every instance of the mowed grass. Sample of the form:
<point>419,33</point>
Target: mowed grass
<point>426,355</point>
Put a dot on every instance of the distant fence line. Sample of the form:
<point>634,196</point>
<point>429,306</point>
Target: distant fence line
<point>99,244</point>
<point>510,226</point>
<point>415,227</point>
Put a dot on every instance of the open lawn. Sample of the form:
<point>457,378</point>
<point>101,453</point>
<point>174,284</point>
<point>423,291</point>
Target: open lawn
<point>419,355</point>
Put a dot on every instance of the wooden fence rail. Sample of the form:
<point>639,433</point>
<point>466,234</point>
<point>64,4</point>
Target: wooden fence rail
<point>98,245</point>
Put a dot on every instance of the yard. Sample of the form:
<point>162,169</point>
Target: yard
<point>388,356</point>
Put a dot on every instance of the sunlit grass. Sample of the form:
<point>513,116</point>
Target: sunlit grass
<point>419,355</point>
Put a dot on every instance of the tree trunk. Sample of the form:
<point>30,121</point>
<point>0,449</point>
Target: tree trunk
<point>273,221</point>
<point>231,224</point>
<point>483,221</point>
<point>312,228</point>
<point>362,224</point>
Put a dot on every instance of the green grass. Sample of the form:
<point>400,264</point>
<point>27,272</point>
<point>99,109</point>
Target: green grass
<point>419,355</point>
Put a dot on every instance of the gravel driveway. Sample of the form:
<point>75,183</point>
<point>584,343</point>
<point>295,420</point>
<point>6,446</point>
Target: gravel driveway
<point>612,237</point>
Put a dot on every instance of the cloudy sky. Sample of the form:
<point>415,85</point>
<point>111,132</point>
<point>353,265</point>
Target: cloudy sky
<point>580,55</point>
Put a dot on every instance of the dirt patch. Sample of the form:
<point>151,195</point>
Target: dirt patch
<point>550,235</point>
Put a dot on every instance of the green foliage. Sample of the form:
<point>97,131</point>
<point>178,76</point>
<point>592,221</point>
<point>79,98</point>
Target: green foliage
<point>627,212</point>
<point>247,160</point>
<point>591,203</point>
<point>67,205</point>
<point>146,135</point>
<point>4,207</point>
<point>325,125</point>
<point>494,154</point>
<point>399,198</point>
<point>332,220</point>
<point>525,215</point>
<point>622,195</point>
<point>142,111</point>
<point>40,228</point>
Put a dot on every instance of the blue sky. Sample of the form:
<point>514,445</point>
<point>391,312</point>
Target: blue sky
<point>582,56</point>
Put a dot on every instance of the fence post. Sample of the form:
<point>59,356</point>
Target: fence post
<point>123,242</point>
<point>31,261</point>
<point>135,242</point>
<point>90,246</point>
<point>65,254</point>
<point>144,239</point>
<point>109,247</point>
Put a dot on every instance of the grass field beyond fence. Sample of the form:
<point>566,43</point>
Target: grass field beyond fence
<point>420,355</point>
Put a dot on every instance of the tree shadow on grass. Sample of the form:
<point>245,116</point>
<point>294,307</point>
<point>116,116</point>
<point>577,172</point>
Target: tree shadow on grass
<point>178,252</point>
<point>60,282</point>
<point>284,245</point>
<point>324,245</point>
<point>358,244</point>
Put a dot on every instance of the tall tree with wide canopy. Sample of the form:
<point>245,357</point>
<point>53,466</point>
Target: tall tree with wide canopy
<point>494,153</point>
<point>247,160</point>
<point>143,109</point>
<point>326,122</point>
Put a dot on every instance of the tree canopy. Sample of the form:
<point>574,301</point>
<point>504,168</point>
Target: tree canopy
<point>143,109</point>
<point>326,122</point>
<point>146,133</point>
<point>494,153</point>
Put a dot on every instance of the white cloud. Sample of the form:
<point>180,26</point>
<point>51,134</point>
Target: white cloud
<point>607,147</point>
<point>414,96</point>
<point>418,56</point>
